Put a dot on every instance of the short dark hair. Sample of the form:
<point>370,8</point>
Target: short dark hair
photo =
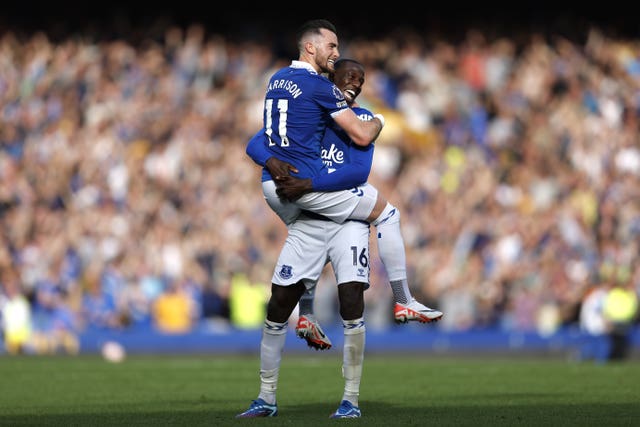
<point>344,61</point>
<point>314,26</point>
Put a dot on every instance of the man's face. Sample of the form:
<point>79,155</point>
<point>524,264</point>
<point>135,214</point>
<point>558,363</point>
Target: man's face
<point>349,78</point>
<point>326,50</point>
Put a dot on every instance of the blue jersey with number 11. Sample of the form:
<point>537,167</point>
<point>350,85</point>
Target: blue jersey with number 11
<point>347,165</point>
<point>298,107</point>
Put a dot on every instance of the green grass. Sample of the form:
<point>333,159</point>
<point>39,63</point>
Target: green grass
<point>395,391</point>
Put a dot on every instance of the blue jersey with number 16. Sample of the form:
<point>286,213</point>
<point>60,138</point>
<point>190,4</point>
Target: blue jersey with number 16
<point>298,107</point>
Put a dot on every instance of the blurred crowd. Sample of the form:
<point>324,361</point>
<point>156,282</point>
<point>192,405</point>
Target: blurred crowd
<point>127,199</point>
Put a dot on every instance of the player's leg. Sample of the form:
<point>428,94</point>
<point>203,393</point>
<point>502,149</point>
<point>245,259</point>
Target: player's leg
<point>372,208</point>
<point>337,206</point>
<point>365,204</point>
<point>288,212</point>
<point>301,259</point>
<point>349,256</point>
<point>298,258</point>
<point>308,327</point>
<point>306,301</point>
<point>348,249</point>
<point>281,304</point>
<point>351,296</point>
<point>392,253</point>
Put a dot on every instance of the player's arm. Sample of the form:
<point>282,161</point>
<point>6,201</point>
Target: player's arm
<point>344,178</point>
<point>361,132</point>
<point>257,150</point>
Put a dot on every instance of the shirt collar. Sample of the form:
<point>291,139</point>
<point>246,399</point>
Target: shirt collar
<point>303,64</point>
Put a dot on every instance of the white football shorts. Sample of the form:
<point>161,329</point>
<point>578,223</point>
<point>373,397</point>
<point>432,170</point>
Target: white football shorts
<point>338,206</point>
<point>311,243</point>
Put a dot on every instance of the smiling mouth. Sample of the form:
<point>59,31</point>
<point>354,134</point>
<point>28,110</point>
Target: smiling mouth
<point>350,94</point>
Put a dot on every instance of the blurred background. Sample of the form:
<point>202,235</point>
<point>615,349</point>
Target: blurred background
<point>129,211</point>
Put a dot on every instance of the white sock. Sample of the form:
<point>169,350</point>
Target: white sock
<point>271,347</point>
<point>392,252</point>
<point>353,358</point>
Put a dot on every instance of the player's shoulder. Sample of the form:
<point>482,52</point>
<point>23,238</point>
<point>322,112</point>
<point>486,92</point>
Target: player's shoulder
<point>306,78</point>
<point>321,81</point>
<point>284,74</point>
<point>326,91</point>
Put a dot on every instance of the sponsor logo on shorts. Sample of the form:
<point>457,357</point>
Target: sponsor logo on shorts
<point>362,272</point>
<point>286,272</point>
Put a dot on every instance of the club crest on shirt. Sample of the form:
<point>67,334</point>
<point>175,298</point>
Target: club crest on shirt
<point>286,272</point>
<point>337,93</point>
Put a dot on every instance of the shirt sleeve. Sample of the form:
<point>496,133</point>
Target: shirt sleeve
<point>329,97</point>
<point>257,148</point>
<point>346,178</point>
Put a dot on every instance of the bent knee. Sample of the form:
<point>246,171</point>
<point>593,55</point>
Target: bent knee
<point>351,297</point>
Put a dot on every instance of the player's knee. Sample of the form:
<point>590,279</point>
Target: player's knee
<point>277,313</point>
<point>283,300</point>
<point>390,214</point>
<point>351,297</point>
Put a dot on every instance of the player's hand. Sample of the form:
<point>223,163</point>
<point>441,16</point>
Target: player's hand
<point>291,188</point>
<point>279,168</point>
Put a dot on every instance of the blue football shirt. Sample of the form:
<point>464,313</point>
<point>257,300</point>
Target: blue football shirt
<point>298,107</point>
<point>337,152</point>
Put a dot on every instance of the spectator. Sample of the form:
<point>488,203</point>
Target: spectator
<point>15,315</point>
<point>118,150</point>
<point>594,326</point>
<point>620,311</point>
<point>98,308</point>
<point>248,298</point>
<point>55,325</point>
<point>174,311</point>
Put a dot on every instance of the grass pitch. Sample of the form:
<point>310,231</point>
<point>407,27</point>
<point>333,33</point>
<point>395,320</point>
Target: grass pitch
<point>396,391</point>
